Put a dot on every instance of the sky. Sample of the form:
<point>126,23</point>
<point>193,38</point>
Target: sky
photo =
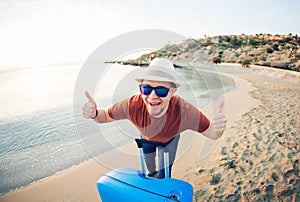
<point>41,32</point>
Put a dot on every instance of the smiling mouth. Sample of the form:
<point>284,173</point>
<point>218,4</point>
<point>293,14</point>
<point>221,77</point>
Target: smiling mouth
<point>155,104</point>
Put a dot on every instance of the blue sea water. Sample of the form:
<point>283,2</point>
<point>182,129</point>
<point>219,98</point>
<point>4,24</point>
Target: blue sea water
<point>38,135</point>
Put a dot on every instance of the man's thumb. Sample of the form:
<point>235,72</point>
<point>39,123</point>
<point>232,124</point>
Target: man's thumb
<point>89,97</point>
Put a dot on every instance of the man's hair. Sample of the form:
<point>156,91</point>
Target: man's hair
<point>172,85</point>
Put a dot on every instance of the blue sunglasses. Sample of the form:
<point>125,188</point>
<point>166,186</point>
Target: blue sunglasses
<point>160,91</point>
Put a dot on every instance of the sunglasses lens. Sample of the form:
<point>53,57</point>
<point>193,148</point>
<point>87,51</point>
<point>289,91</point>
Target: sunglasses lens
<point>161,91</point>
<point>145,89</point>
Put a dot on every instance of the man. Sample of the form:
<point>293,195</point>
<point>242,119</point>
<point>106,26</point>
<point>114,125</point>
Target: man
<point>159,114</point>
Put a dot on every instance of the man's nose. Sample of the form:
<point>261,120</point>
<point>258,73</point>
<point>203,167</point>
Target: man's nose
<point>153,94</point>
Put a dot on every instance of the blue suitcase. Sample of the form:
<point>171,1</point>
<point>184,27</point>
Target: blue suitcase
<point>128,184</point>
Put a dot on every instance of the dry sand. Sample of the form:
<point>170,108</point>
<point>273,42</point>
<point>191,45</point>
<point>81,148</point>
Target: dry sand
<point>257,159</point>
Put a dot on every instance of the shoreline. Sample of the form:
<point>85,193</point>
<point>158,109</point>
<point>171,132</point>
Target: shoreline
<point>79,182</point>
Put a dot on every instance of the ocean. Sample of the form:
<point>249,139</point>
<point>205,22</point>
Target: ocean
<point>41,136</point>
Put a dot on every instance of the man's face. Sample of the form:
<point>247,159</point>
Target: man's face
<point>157,106</point>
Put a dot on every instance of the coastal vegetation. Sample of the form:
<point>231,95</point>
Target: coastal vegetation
<point>278,51</point>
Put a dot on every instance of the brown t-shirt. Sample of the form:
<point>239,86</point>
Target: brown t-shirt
<point>180,116</point>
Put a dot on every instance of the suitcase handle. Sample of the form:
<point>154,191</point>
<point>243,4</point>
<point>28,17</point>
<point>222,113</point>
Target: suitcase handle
<point>160,145</point>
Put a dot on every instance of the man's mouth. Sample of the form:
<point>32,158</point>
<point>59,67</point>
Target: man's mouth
<point>154,104</point>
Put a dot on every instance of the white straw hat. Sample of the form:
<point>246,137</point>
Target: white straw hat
<point>159,69</point>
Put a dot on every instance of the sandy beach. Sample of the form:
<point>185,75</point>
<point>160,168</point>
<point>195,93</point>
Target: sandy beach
<point>257,159</point>
<point>258,156</point>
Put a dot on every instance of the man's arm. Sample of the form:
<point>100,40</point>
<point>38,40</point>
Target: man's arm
<point>90,110</point>
<point>217,125</point>
<point>103,116</point>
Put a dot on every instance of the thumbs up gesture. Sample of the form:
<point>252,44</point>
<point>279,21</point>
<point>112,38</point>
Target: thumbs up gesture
<point>219,121</point>
<point>89,109</point>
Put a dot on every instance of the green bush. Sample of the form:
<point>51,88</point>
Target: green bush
<point>216,60</point>
<point>253,42</point>
<point>245,63</point>
<point>275,47</point>
<point>269,50</point>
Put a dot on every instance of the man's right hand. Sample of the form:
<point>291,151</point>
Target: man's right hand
<point>89,108</point>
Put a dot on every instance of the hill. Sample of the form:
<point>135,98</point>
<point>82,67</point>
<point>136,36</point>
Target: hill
<point>279,51</point>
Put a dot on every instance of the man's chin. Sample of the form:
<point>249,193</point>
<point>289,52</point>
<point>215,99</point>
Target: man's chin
<point>155,113</point>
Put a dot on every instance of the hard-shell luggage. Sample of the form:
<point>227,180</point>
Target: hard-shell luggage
<point>128,184</point>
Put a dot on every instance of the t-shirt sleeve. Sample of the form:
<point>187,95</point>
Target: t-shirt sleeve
<point>120,110</point>
<point>203,123</point>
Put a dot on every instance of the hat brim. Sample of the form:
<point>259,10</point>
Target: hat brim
<point>156,78</point>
